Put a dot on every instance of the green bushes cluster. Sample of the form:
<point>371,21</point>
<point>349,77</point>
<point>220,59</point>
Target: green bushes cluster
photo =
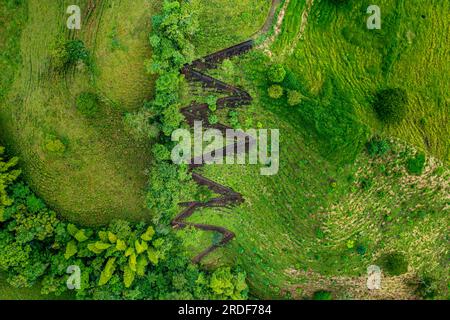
<point>281,80</point>
<point>172,49</point>
<point>120,261</point>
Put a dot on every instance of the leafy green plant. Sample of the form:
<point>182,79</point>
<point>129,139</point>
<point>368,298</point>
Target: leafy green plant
<point>275,91</point>
<point>294,97</point>
<point>277,73</point>
<point>54,146</point>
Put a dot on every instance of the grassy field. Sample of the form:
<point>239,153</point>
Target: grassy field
<point>102,173</point>
<point>224,23</point>
<point>298,231</point>
<point>337,44</point>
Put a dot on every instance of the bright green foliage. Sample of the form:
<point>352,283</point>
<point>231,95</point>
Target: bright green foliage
<point>225,284</point>
<point>7,176</point>
<point>98,247</point>
<point>112,237</point>
<point>141,246</point>
<point>121,245</point>
<point>277,73</point>
<point>54,146</point>
<point>107,272</point>
<point>294,97</point>
<point>149,233</point>
<point>153,256</point>
<point>81,236</point>
<point>128,276</point>
<point>71,250</point>
<point>275,91</point>
<point>161,152</point>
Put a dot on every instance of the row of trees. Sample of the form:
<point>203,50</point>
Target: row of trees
<point>120,261</point>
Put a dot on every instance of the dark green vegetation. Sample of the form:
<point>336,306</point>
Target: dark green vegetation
<point>121,261</point>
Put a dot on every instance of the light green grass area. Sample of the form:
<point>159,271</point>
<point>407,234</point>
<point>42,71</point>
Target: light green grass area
<point>410,51</point>
<point>223,23</point>
<point>102,172</point>
<point>308,221</point>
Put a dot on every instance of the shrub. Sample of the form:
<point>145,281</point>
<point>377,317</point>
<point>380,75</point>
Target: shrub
<point>275,91</point>
<point>54,146</point>
<point>417,164</point>
<point>361,249</point>
<point>427,288</point>
<point>68,53</point>
<point>377,147</point>
<point>87,103</point>
<point>390,105</point>
<point>394,264</point>
<point>76,51</point>
<point>277,73</point>
<point>294,97</point>
<point>322,295</point>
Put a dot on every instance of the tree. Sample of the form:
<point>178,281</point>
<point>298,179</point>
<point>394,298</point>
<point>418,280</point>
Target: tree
<point>277,73</point>
<point>390,105</point>
<point>275,91</point>
<point>294,97</point>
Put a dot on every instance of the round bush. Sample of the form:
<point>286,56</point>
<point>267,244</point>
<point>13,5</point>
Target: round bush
<point>294,97</point>
<point>54,146</point>
<point>390,105</point>
<point>394,264</point>
<point>87,104</point>
<point>277,73</point>
<point>275,91</point>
